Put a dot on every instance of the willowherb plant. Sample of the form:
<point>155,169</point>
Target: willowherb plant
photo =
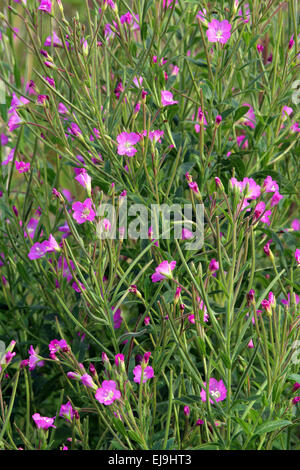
<point>122,334</point>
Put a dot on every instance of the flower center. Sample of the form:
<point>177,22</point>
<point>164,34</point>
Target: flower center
<point>86,212</point>
<point>215,393</point>
<point>219,33</point>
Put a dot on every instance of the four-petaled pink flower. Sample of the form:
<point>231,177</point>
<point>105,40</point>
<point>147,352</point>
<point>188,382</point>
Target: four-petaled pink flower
<point>148,373</point>
<point>163,271</point>
<point>217,391</point>
<point>83,211</point>
<point>108,392</point>
<point>67,411</point>
<point>38,250</point>
<point>34,359</point>
<point>45,5</point>
<point>126,141</point>
<point>218,31</point>
<point>57,345</point>
<point>22,167</point>
<point>270,185</point>
<point>43,422</point>
<point>167,98</point>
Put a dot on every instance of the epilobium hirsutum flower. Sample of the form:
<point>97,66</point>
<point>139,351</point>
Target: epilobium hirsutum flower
<point>202,16</point>
<point>249,118</point>
<point>108,392</point>
<point>148,373</point>
<point>217,391</point>
<point>67,412</point>
<point>186,234</point>
<point>117,318</point>
<point>119,358</point>
<point>43,422</point>
<point>22,167</point>
<point>276,198</point>
<point>186,410</point>
<point>213,265</point>
<point>218,31</point>
<point>83,211</point>
<point>163,271</point>
<point>38,250</point>
<point>83,178</point>
<point>270,185</point>
<point>297,256</point>
<point>167,98</point>
<point>45,5</point>
<point>57,345</point>
<point>34,359</point>
<point>87,380</point>
<point>126,143</point>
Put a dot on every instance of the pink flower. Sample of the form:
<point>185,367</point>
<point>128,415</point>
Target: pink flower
<point>260,48</point>
<point>43,422</point>
<point>38,250</point>
<point>83,211</point>
<point>267,248</point>
<point>186,234</point>
<point>296,386</point>
<point>186,410</point>
<point>57,345</point>
<point>286,112</point>
<point>163,271</point>
<point>34,359</point>
<point>117,318</point>
<point>276,198</point>
<point>217,391</point>
<point>253,189</point>
<point>119,358</point>
<point>54,40</point>
<point>87,381</point>
<point>83,178</point>
<point>201,119</point>
<point>249,118</point>
<point>22,167</point>
<point>295,224</point>
<point>288,300</point>
<point>148,373</point>
<point>9,157</point>
<point>67,412</point>
<point>192,184</point>
<point>297,256</point>
<point>62,108</point>
<point>74,129</point>
<point>51,244</point>
<point>218,31</point>
<point>31,228</point>
<point>213,265</point>
<point>14,121</point>
<point>108,392</point>
<point>296,400</point>
<point>45,5</point>
<point>202,16</point>
<point>126,143</point>
<point>270,185</point>
<point>266,218</point>
<point>167,98</point>
<point>250,344</point>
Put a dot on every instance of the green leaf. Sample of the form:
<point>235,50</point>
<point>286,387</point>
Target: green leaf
<point>270,426</point>
<point>240,112</point>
